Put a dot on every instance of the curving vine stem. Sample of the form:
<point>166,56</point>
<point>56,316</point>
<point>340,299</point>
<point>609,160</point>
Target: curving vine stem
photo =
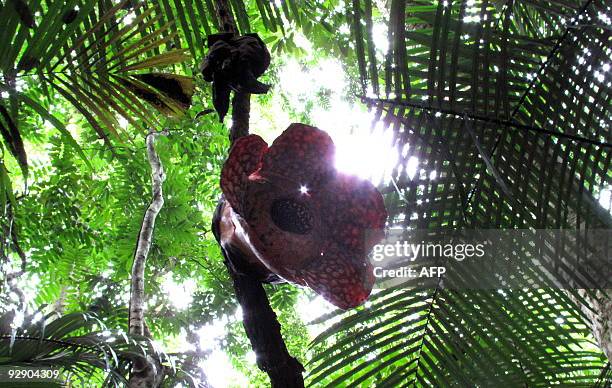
<point>145,373</point>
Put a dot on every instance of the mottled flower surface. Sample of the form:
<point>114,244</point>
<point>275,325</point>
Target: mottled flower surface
<point>291,212</point>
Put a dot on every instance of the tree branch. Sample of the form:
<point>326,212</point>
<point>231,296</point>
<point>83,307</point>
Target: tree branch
<point>145,373</point>
<point>12,241</point>
<point>225,17</point>
<point>241,106</point>
<point>259,320</point>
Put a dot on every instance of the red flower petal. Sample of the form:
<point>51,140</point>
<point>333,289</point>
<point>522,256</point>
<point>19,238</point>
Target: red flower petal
<point>354,215</point>
<point>303,154</point>
<point>339,279</point>
<point>244,159</point>
<point>354,211</point>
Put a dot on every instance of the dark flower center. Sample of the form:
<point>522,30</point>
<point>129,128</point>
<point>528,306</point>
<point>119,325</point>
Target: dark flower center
<point>291,216</point>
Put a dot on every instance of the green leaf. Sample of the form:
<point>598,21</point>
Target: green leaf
<point>44,113</point>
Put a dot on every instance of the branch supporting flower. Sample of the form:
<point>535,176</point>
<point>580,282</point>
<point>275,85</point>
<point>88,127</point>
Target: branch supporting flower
<point>259,320</point>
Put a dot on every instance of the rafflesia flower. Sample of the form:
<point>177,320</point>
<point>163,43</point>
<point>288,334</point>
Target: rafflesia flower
<point>291,212</point>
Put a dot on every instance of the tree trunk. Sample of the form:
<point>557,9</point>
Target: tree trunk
<point>599,312</point>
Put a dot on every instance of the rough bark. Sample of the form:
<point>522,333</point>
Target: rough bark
<point>145,372</point>
<point>225,17</point>
<point>595,304</point>
<point>241,106</point>
<point>599,312</point>
<point>10,241</point>
<point>264,332</point>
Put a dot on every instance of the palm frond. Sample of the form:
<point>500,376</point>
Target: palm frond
<point>429,337</point>
<point>78,344</point>
<point>83,58</point>
<point>479,99</point>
